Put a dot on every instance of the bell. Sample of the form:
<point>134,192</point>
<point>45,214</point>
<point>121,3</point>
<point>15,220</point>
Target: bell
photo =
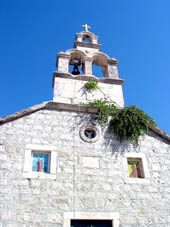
<point>75,70</point>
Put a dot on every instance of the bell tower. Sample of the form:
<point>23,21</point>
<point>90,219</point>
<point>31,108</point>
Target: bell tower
<point>75,68</point>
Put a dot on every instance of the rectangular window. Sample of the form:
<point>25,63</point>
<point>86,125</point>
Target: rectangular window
<point>135,168</point>
<point>40,162</point>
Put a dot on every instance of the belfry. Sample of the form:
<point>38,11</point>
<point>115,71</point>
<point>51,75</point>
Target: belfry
<point>86,53</point>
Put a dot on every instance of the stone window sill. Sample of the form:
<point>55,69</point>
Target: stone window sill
<point>137,181</point>
<point>33,175</point>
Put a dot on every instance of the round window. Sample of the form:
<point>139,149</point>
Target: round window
<point>89,133</point>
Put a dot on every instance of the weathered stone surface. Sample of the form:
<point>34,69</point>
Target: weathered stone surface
<point>90,162</point>
<point>72,91</point>
<point>42,202</point>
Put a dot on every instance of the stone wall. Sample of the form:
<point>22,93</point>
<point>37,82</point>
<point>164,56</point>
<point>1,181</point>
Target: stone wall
<point>90,177</point>
<point>72,91</point>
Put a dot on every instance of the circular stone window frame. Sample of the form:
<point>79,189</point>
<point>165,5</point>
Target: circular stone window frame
<point>85,138</point>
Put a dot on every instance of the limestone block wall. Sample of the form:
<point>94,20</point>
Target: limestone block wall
<point>73,92</point>
<point>90,177</point>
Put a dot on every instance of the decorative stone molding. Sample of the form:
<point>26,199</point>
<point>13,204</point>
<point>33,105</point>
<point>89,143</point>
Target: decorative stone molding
<point>86,78</point>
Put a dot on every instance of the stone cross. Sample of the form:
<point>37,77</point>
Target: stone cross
<point>86,27</point>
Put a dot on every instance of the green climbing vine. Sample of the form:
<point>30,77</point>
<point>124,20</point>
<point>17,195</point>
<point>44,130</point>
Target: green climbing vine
<point>105,108</point>
<point>128,123</point>
<point>91,85</point>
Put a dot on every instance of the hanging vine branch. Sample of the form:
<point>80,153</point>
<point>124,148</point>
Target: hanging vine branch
<point>128,123</point>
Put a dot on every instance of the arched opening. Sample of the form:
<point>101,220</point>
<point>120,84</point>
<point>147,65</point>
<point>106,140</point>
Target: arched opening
<point>76,62</point>
<point>99,66</point>
<point>97,70</point>
<point>86,38</point>
<point>76,67</point>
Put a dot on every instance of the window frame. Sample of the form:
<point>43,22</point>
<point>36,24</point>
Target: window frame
<point>41,152</point>
<point>27,169</point>
<point>113,216</point>
<point>140,168</point>
<point>146,175</point>
<point>92,127</point>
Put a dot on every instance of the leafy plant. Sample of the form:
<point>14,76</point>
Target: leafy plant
<point>128,123</point>
<point>91,85</point>
<point>104,109</point>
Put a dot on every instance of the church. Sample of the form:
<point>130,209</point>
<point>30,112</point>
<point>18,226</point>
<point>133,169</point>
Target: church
<point>60,168</point>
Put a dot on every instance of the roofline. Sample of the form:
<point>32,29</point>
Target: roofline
<point>45,105</point>
<point>67,107</point>
<point>160,132</point>
<point>22,113</point>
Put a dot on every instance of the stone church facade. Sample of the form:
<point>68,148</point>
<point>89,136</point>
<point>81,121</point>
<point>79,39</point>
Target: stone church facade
<point>58,168</point>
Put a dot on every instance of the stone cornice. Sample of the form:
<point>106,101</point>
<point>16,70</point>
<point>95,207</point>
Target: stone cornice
<point>22,113</point>
<point>66,107</point>
<point>87,45</point>
<point>112,61</point>
<point>159,132</point>
<point>86,78</point>
<point>46,105</point>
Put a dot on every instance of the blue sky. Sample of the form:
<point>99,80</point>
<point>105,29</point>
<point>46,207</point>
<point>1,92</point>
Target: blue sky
<point>137,33</point>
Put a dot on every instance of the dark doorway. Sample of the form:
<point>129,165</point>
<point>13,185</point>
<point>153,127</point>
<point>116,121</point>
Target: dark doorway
<point>91,223</point>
